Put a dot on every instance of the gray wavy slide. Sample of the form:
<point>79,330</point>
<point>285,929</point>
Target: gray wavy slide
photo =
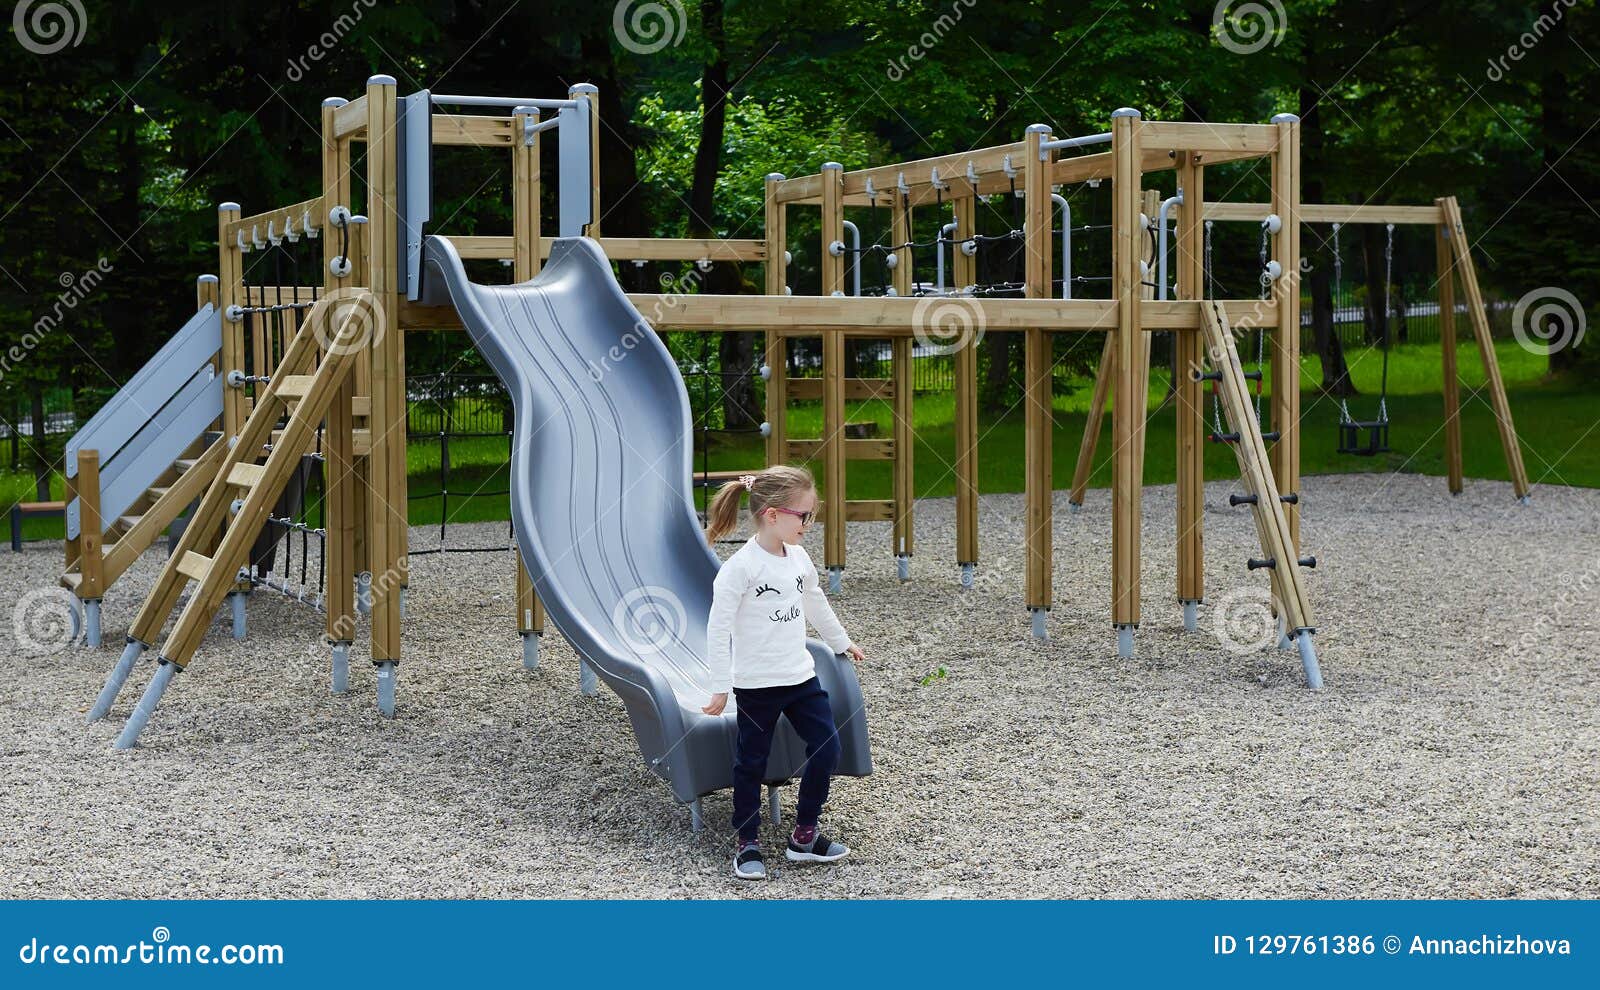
<point>605,519</point>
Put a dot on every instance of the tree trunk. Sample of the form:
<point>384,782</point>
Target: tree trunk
<point>41,463</point>
<point>1335,373</point>
<point>1372,240</point>
<point>735,351</point>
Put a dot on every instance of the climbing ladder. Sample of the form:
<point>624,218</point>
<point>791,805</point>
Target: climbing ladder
<point>1261,490</point>
<point>242,492</point>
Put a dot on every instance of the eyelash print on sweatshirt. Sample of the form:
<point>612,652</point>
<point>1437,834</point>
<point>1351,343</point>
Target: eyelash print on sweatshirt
<point>800,584</point>
<point>764,589</point>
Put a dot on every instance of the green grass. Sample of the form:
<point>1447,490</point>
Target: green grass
<point>1553,419</point>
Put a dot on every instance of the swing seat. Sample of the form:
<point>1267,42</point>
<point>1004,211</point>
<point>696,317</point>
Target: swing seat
<point>1376,440</point>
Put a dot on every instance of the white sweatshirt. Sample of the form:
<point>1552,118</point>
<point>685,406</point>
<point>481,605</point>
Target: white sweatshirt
<point>756,633</point>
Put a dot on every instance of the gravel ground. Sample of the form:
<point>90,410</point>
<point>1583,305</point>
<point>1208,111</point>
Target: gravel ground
<point>1452,754</point>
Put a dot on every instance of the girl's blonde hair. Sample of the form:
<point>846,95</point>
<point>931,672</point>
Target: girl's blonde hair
<point>774,487</point>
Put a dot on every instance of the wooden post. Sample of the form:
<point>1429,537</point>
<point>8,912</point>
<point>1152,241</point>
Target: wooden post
<point>833,446</point>
<point>339,444</point>
<point>1189,394</point>
<point>1127,417</point>
<point>1447,347</point>
<point>525,265</point>
<point>387,518</point>
<point>902,533</point>
<point>1038,393</point>
<point>1462,249</point>
<point>777,352</point>
<point>965,272</point>
<point>230,268</point>
<point>91,585</point>
<point>1285,452</point>
<point>1151,207</point>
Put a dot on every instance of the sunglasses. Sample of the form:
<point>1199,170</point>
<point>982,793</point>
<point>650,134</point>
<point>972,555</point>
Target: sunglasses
<point>804,517</point>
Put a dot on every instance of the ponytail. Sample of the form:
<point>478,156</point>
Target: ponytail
<point>723,513</point>
<point>773,486</point>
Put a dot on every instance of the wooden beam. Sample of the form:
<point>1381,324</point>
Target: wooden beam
<point>775,273</point>
<point>1189,395</point>
<point>1037,379</point>
<point>917,174</point>
<point>1127,409</point>
<point>1285,451</point>
<point>833,457</point>
<point>1327,213</point>
<point>964,273</point>
<point>350,120</point>
<point>1448,368</point>
<point>473,131</point>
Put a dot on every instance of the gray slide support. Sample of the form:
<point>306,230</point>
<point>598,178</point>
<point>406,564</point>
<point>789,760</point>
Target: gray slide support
<point>604,513</point>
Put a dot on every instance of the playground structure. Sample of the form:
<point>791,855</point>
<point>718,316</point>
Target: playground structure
<point>316,370</point>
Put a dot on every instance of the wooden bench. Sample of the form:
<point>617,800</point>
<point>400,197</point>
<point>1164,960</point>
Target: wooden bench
<point>21,510</point>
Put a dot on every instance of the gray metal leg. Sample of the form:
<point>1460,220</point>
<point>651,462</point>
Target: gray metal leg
<point>119,675</point>
<point>364,592</point>
<point>75,621</point>
<point>1308,660</point>
<point>1285,642</point>
<point>1125,642</point>
<point>147,705</point>
<point>697,821</point>
<point>236,602</point>
<point>1191,616</point>
<point>774,809</point>
<point>835,580</point>
<point>1074,507</point>
<point>341,667</point>
<point>903,561</point>
<point>387,672</point>
<point>1039,630</point>
<point>402,601</point>
<point>588,683</point>
<point>1525,500</point>
<point>91,622</point>
<point>969,573</point>
<point>530,650</point>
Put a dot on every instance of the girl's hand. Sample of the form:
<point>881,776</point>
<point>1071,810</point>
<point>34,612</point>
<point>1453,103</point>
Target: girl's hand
<point>718,703</point>
<point>854,653</point>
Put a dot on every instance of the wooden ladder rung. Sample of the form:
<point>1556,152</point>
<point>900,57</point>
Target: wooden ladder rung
<point>158,492</point>
<point>183,464</point>
<point>194,566</point>
<point>71,581</point>
<point>246,475</point>
<point>128,522</point>
<point>293,387</point>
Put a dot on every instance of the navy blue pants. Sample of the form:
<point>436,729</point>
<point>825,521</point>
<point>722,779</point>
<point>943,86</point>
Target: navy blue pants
<point>808,710</point>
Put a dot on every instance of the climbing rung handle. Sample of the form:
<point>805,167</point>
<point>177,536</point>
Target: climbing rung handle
<point>1252,376</point>
<point>246,475</point>
<point>1224,438</point>
<point>294,387</point>
<point>194,566</point>
<point>1208,376</point>
<point>1293,498</point>
<point>1271,435</point>
<point>1241,500</point>
<point>1268,563</point>
<point>1308,561</point>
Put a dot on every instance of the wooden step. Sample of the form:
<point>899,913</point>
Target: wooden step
<point>293,388</point>
<point>128,522</point>
<point>183,464</point>
<point>194,566</point>
<point>71,581</point>
<point>246,475</point>
<point>158,492</point>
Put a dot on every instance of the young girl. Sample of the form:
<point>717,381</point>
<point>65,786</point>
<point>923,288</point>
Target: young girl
<point>756,641</point>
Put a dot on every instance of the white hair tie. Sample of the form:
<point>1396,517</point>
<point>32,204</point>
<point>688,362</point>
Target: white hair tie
<point>748,481</point>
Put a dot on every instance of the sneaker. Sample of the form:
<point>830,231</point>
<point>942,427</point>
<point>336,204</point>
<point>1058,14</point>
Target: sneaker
<point>748,865</point>
<point>820,849</point>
